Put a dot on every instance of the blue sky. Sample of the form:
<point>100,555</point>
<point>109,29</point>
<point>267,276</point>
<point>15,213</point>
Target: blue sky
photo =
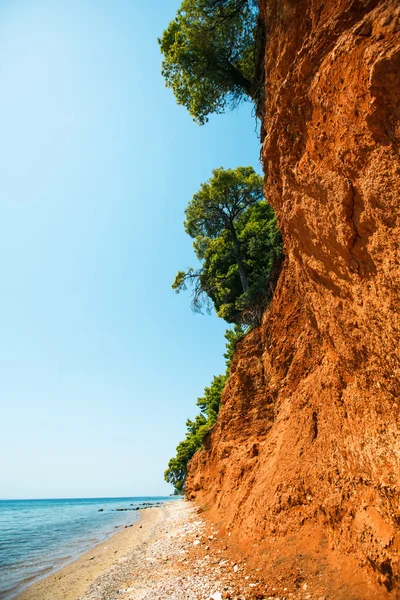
<point>100,362</point>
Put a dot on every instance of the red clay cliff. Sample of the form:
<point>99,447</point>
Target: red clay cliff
<point>304,461</point>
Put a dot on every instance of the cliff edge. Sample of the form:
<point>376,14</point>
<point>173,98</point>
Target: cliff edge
<point>304,461</point>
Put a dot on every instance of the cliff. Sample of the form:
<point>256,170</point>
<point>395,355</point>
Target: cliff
<point>304,462</point>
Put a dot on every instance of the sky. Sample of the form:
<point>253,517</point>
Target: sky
<point>100,361</point>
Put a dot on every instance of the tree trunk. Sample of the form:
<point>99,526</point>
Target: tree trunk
<point>241,81</point>
<point>238,255</point>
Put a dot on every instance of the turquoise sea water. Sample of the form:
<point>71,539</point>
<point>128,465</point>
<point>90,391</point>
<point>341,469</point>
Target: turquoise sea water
<point>38,536</point>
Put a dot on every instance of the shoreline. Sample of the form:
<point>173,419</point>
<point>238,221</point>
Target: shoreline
<point>174,553</point>
<point>76,571</point>
<point>62,562</point>
<point>41,536</point>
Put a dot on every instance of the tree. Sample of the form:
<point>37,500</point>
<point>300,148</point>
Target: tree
<point>195,433</point>
<point>209,55</point>
<point>232,336</point>
<point>236,239</point>
<point>196,430</point>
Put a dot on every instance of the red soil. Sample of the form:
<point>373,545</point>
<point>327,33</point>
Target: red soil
<point>304,461</point>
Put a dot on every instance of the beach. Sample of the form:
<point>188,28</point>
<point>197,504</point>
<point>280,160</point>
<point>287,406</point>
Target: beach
<point>73,580</point>
<point>166,554</point>
<point>171,553</point>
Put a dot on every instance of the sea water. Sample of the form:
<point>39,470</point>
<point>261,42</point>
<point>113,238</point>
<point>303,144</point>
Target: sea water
<point>39,536</point>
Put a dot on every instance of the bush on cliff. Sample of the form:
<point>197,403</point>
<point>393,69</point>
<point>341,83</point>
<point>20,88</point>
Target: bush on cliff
<point>196,430</point>
<point>238,242</point>
<point>209,55</point>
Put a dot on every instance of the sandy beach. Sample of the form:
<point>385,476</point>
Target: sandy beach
<point>72,581</point>
<point>171,553</point>
<point>153,558</point>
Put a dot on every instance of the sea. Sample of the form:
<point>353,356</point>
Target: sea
<point>40,536</point>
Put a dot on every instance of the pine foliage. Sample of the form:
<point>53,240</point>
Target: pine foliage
<point>209,55</point>
<point>197,429</point>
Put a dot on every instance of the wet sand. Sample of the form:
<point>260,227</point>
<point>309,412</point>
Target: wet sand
<point>71,581</point>
<point>171,553</point>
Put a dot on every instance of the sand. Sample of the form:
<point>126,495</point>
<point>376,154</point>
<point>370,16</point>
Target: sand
<point>171,553</point>
<point>71,582</point>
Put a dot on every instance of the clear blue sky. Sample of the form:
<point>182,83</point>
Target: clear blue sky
<point>100,362</point>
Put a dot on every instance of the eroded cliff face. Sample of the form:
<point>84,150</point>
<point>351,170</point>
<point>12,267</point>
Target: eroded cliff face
<point>306,451</point>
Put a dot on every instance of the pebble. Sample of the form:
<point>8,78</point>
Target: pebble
<point>175,566</point>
